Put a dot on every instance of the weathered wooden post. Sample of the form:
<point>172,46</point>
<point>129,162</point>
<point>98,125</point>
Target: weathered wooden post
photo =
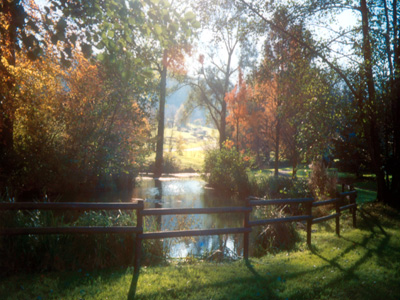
<point>309,222</point>
<point>246,235</point>
<point>337,207</point>
<point>354,209</point>
<point>138,244</point>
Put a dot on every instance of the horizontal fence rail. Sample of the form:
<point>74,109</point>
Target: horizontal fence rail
<point>138,205</point>
<point>71,205</point>
<point>71,230</point>
<point>280,220</point>
<point>259,202</point>
<point>325,218</point>
<point>193,211</point>
<point>194,232</point>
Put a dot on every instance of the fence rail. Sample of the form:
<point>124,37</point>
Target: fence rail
<point>138,205</point>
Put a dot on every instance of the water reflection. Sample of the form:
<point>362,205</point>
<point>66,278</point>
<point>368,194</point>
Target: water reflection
<point>190,193</point>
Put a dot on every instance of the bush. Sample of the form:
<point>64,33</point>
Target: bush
<point>277,187</point>
<point>33,253</point>
<point>274,237</point>
<point>322,183</point>
<point>226,170</point>
<point>170,164</point>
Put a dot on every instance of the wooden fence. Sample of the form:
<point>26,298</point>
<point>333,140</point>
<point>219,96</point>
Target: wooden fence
<point>346,200</point>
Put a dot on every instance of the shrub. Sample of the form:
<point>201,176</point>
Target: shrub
<point>274,237</point>
<point>170,164</point>
<point>275,187</point>
<point>32,253</point>
<point>322,183</point>
<point>226,170</point>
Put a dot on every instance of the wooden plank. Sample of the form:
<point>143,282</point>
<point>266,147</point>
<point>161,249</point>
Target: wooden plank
<point>70,230</point>
<point>348,206</point>
<point>197,232</point>
<point>71,205</point>
<point>351,193</point>
<point>193,211</point>
<point>246,236</point>
<point>138,242</point>
<point>280,220</point>
<point>279,201</point>
<point>325,202</point>
<point>322,219</point>
<point>309,222</point>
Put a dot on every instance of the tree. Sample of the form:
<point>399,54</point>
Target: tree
<point>229,39</point>
<point>380,146</point>
<point>237,103</point>
<point>171,47</point>
<point>73,127</point>
<point>295,93</point>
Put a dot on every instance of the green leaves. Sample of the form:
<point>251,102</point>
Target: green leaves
<point>189,16</point>
<point>86,50</point>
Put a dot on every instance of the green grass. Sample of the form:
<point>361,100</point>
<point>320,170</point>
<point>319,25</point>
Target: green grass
<point>191,159</point>
<point>193,147</point>
<point>363,263</point>
<point>366,188</point>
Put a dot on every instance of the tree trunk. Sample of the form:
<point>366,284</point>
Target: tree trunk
<point>277,141</point>
<point>237,134</point>
<point>7,50</point>
<point>158,167</point>
<point>395,165</point>
<point>294,164</point>
<point>222,130</point>
<point>371,128</point>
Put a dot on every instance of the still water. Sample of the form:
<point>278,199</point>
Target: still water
<point>190,192</point>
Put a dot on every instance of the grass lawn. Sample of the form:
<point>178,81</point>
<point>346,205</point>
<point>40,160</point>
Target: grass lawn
<point>363,263</point>
<point>193,147</point>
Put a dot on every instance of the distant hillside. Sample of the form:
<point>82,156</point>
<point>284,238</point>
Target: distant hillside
<point>176,99</point>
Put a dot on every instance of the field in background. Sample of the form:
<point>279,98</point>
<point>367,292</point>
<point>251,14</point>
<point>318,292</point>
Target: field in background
<point>187,145</point>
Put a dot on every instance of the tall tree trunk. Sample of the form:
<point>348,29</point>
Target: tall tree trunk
<point>395,182</point>
<point>277,142</point>
<point>158,167</point>
<point>294,164</point>
<point>237,134</point>
<point>7,50</point>
<point>371,127</point>
<point>222,130</point>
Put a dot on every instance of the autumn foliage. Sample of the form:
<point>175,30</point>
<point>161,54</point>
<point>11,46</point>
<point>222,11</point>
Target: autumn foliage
<point>73,127</point>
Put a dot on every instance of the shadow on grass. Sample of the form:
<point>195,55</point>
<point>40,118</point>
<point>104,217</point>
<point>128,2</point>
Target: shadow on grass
<point>48,285</point>
<point>350,273</point>
<point>132,289</point>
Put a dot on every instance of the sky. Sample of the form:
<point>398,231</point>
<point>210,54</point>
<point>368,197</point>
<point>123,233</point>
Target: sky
<point>345,20</point>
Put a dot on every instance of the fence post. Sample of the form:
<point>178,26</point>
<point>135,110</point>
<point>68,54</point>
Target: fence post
<point>138,244</point>
<point>354,209</point>
<point>309,222</point>
<point>246,237</point>
<point>337,207</point>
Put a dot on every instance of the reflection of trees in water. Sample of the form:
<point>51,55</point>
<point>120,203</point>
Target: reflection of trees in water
<point>180,194</point>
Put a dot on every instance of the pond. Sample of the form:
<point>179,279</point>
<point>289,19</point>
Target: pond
<point>190,192</point>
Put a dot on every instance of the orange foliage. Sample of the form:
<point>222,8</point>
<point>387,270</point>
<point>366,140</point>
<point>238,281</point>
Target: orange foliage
<point>237,104</point>
<point>175,60</point>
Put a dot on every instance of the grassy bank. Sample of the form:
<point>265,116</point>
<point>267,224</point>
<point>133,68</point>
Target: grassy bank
<point>363,263</point>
